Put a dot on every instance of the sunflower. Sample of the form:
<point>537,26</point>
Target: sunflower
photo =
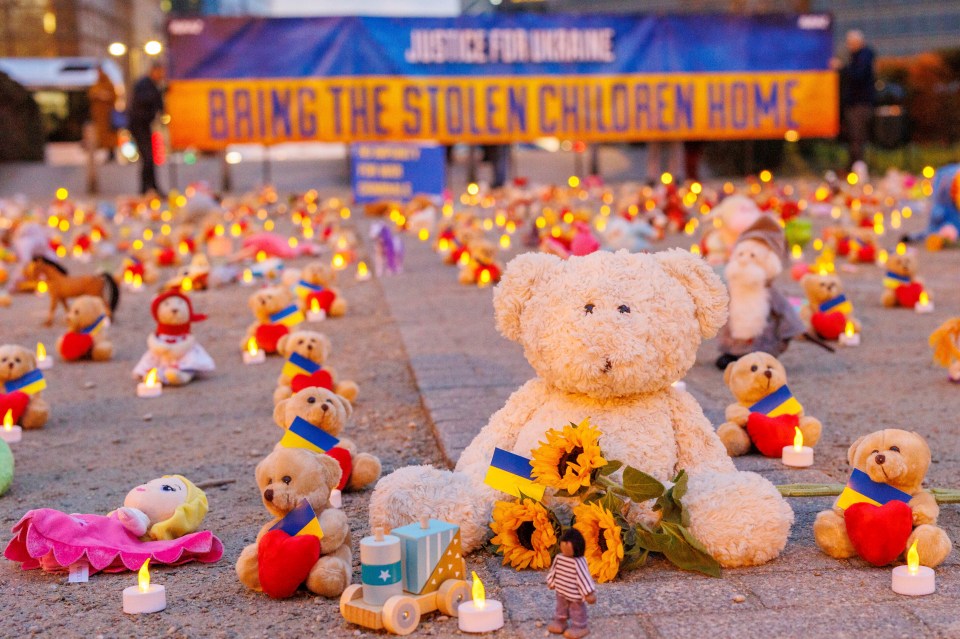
<point>604,544</point>
<point>568,457</point>
<point>525,534</point>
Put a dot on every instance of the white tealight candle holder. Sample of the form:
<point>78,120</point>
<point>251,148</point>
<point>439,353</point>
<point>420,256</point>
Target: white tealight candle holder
<point>480,614</point>
<point>258,357</point>
<point>797,457</point>
<point>680,385</point>
<point>914,584</point>
<point>150,387</point>
<point>45,364</point>
<point>852,339</point>
<point>144,597</point>
<point>11,433</point>
<point>316,316</point>
<point>925,305</point>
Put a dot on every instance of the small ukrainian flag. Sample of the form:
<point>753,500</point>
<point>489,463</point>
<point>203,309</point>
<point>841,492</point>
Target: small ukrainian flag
<point>305,288</point>
<point>779,402</point>
<point>512,474</point>
<point>893,280</point>
<point>95,327</point>
<point>290,316</point>
<point>838,304</point>
<point>862,489</point>
<point>300,521</point>
<point>299,365</point>
<point>31,383</point>
<point>303,434</point>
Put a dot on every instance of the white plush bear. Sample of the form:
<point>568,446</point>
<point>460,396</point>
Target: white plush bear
<point>607,334</point>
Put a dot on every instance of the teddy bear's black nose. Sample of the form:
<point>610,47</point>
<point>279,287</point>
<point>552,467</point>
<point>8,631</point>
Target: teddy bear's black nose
<point>268,494</point>
<point>880,458</point>
<point>768,374</point>
<point>324,407</point>
<point>309,347</point>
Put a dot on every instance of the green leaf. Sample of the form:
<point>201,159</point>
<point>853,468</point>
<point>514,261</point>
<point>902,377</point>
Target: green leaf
<point>680,485</point>
<point>639,486</point>
<point>612,503</point>
<point>681,553</point>
<point>651,541</point>
<point>611,467</point>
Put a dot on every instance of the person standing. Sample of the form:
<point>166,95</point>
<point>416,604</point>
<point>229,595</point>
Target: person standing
<point>857,93</point>
<point>146,104</point>
<point>103,98</point>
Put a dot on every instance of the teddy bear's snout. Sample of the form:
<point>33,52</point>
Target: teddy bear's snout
<point>880,458</point>
<point>768,374</point>
<point>268,494</point>
<point>324,407</point>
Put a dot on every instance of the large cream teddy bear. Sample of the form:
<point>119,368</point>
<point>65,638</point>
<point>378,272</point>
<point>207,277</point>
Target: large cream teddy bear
<point>607,334</point>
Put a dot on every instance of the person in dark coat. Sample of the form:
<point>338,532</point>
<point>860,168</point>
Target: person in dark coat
<point>146,105</point>
<point>857,94</point>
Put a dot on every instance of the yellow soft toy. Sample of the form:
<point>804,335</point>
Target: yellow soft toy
<point>330,412</point>
<point>277,563</point>
<point>766,412</point>
<point>21,387</point>
<point>164,508</point>
<point>86,336</point>
<point>306,352</point>
<point>889,467</point>
<point>901,286</point>
<point>945,342</point>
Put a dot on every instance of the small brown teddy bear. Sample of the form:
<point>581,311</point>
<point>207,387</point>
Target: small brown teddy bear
<point>19,393</point>
<point>901,286</point>
<point>753,379</point>
<point>483,268</point>
<point>827,310</point>
<point>317,281</point>
<point>264,303</point>
<point>329,411</point>
<point>285,477</point>
<point>86,336</point>
<point>315,348</point>
<point>891,458</point>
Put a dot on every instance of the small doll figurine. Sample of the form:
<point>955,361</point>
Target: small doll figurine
<point>570,578</point>
<point>164,508</point>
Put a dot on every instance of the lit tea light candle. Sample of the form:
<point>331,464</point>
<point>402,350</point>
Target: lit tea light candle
<point>680,385</point>
<point>137,284</point>
<point>924,304</point>
<point>849,336</point>
<point>423,235</point>
<point>10,433</point>
<point>480,614</point>
<point>144,597</point>
<point>363,273</point>
<point>315,313</point>
<point>247,278</point>
<point>339,262</point>
<point>796,253</point>
<point>798,455</point>
<point>43,362</point>
<point>253,354</point>
<point>913,579</point>
<point>150,386</point>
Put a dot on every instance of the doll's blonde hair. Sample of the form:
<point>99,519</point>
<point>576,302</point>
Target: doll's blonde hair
<point>186,518</point>
<point>946,342</point>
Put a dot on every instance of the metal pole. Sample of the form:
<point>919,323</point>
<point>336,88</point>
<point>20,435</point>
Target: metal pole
<point>226,183</point>
<point>267,176</point>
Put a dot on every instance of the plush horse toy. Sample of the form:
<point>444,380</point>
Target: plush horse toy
<point>62,287</point>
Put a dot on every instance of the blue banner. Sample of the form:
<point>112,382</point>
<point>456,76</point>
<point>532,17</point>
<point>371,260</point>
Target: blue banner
<point>396,171</point>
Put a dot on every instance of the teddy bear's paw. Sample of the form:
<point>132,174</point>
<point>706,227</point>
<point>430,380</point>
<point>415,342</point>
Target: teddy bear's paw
<point>348,389</point>
<point>366,470</point>
<point>933,545</point>
<point>329,577</point>
<point>811,428</point>
<point>102,352</point>
<point>739,517</point>
<point>415,491</point>
<point>830,533</point>
<point>248,570</point>
<point>176,377</point>
<point>35,416</point>
<point>735,439</point>
<point>338,308</point>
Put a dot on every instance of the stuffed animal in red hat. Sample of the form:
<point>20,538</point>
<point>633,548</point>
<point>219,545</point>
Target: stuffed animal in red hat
<point>172,349</point>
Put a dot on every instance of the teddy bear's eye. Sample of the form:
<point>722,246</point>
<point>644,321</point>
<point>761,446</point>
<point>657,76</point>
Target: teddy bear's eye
<point>286,479</point>
<point>328,402</point>
<point>895,449</point>
<point>623,308</point>
<point>753,368</point>
<point>17,360</point>
<point>874,452</point>
<point>311,400</point>
<point>588,308</point>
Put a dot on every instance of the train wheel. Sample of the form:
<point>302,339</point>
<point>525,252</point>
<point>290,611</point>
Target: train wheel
<point>453,592</point>
<point>401,615</point>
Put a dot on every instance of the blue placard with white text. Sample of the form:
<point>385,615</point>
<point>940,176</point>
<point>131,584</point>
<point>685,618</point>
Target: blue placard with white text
<point>396,171</point>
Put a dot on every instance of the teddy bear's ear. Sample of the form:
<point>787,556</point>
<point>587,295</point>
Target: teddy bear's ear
<point>280,413</point>
<point>254,302</point>
<point>344,404</point>
<point>331,470</point>
<point>704,286</point>
<point>853,449</point>
<point>523,273</point>
<point>282,344</point>
<point>325,346</point>
<point>728,372</point>
<point>923,443</point>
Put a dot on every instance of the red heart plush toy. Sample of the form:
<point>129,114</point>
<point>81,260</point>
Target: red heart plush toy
<point>320,378</point>
<point>879,533</point>
<point>324,300</point>
<point>771,434</point>
<point>909,294</point>
<point>284,562</point>
<point>15,402</point>
<point>268,335</point>
<point>75,346</point>
<point>828,325</point>
<point>342,455</point>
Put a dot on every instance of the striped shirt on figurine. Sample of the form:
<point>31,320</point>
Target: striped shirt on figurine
<point>570,577</point>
